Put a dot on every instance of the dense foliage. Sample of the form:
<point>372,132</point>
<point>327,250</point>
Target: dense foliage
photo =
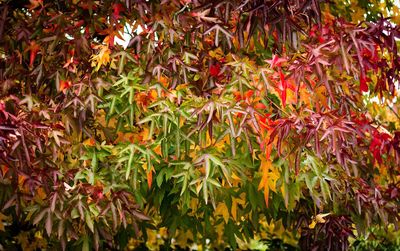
<point>221,123</point>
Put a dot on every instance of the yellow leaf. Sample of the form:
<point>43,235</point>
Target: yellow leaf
<point>319,218</point>
<point>304,95</point>
<point>194,203</point>
<point>102,57</point>
<point>199,185</point>
<point>358,13</point>
<point>291,96</point>
<point>235,202</point>
<point>235,177</point>
<point>222,210</point>
<point>220,145</point>
<point>396,14</point>
<point>89,142</point>
<point>217,53</point>
<point>270,176</point>
<point>183,238</point>
<point>321,96</point>
<point>345,87</point>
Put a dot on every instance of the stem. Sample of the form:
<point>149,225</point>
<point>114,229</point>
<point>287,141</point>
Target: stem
<point>395,113</point>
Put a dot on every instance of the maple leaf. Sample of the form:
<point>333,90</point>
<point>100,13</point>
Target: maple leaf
<point>89,142</point>
<point>270,176</point>
<point>319,218</point>
<point>33,48</point>
<point>313,31</point>
<point>246,97</point>
<point>222,209</point>
<point>102,57</point>
<point>283,89</point>
<point>215,70</point>
<point>144,99</point>
<point>363,83</point>
<point>28,100</point>
<point>276,61</point>
<point>117,8</point>
<point>268,125</point>
<point>149,174</point>
<point>164,81</point>
<point>235,203</point>
<point>202,16</point>
<point>378,143</point>
<point>219,29</point>
<point>112,32</point>
<point>370,54</point>
<point>33,4</point>
<point>109,40</point>
<point>98,192</point>
<point>65,84</point>
<point>71,64</point>
<point>260,106</point>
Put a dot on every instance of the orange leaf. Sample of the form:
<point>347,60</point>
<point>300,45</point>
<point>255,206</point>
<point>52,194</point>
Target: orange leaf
<point>34,4</point>
<point>65,84</point>
<point>260,106</point>
<point>150,177</point>
<point>4,170</point>
<point>270,176</point>
<point>164,81</point>
<point>89,142</point>
<point>33,48</point>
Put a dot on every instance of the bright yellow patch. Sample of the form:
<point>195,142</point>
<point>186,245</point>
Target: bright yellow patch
<point>102,57</point>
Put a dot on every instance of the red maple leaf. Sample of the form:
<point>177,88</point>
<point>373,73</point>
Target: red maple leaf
<point>378,143</point>
<point>117,8</point>
<point>363,82</point>
<point>98,193</point>
<point>215,70</point>
<point>65,84</point>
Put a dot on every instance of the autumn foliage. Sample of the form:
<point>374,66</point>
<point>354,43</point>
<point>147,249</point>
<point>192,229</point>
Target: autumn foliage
<point>220,123</point>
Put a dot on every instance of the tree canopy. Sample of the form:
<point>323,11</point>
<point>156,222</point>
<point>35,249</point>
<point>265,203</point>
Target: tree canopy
<point>220,123</point>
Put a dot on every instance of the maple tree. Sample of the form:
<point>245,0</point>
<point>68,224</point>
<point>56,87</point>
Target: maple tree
<point>221,123</point>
